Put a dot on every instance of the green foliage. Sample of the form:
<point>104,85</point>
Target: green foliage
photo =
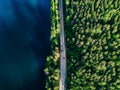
<point>93,44</point>
<point>52,69</point>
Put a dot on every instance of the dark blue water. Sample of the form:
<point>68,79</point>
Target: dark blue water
<point>24,43</point>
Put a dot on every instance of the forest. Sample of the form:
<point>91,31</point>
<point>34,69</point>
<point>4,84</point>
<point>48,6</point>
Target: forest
<point>92,29</point>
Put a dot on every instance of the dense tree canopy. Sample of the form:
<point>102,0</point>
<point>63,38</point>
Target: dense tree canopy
<point>93,45</point>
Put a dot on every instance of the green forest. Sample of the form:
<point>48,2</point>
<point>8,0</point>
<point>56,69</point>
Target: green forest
<point>92,29</point>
